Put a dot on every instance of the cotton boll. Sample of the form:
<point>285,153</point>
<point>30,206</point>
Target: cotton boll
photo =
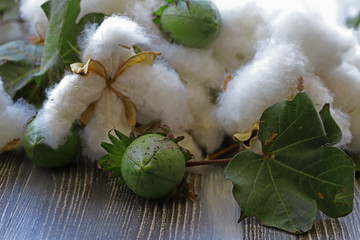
<point>243,24</point>
<point>13,117</point>
<point>267,79</point>
<point>34,16</point>
<point>109,114</point>
<point>108,43</point>
<point>157,93</point>
<point>65,103</point>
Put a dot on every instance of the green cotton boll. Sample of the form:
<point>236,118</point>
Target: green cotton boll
<point>195,26</point>
<point>43,155</point>
<point>153,166</point>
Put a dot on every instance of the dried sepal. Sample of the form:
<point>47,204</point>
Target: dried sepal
<point>147,57</point>
<point>11,145</point>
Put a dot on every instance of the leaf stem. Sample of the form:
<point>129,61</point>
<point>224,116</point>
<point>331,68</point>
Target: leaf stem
<point>207,162</point>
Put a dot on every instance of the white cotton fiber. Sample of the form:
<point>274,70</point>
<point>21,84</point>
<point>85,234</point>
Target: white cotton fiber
<point>344,82</point>
<point>206,130</point>
<point>109,114</point>
<point>189,144</point>
<point>322,43</point>
<point>193,65</point>
<point>107,7</point>
<point>107,43</point>
<point>243,24</point>
<point>269,78</point>
<point>321,95</point>
<point>202,75</point>
<point>13,117</point>
<point>65,103</point>
<point>158,94</point>
<point>34,17</point>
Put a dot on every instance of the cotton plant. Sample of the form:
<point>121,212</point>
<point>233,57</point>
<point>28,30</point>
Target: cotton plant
<point>115,88</point>
<point>13,119</point>
<point>295,57</point>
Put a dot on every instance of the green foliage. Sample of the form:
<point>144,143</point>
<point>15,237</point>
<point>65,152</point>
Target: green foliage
<point>111,162</point>
<point>28,69</point>
<point>299,171</point>
<point>355,157</point>
<point>21,51</point>
<point>61,48</point>
<point>21,61</point>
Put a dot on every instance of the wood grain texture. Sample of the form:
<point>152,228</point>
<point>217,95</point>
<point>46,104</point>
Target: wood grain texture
<point>82,202</point>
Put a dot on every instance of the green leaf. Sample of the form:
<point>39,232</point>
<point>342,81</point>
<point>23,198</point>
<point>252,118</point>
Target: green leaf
<point>32,93</point>
<point>355,158</point>
<point>21,51</point>
<point>332,130</point>
<point>261,193</point>
<point>61,48</point>
<point>46,7</point>
<point>63,15</point>
<point>16,75</point>
<point>111,162</point>
<point>299,171</point>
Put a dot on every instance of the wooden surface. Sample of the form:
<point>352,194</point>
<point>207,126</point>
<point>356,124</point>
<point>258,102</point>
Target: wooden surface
<point>82,202</point>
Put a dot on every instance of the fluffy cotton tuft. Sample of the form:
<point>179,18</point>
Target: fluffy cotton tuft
<point>242,26</point>
<point>344,82</point>
<point>13,117</point>
<point>34,17</point>
<point>107,43</point>
<point>269,78</point>
<point>300,47</point>
<point>155,89</point>
<point>65,103</point>
<point>158,94</point>
<point>107,7</point>
<point>105,118</point>
<point>203,76</point>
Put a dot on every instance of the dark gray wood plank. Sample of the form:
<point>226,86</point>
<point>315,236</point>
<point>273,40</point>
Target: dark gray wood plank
<point>82,202</point>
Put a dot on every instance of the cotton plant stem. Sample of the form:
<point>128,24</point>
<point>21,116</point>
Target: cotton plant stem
<point>223,151</point>
<point>207,162</point>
